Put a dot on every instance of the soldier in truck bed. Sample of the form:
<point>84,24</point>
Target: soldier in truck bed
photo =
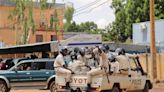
<point>101,69</point>
<point>123,60</point>
<point>61,68</point>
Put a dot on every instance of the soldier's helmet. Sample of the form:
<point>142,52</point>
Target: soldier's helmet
<point>76,49</point>
<point>102,48</point>
<point>64,51</point>
<point>106,47</point>
<point>111,57</point>
<point>82,51</point>
<point>120,51</point>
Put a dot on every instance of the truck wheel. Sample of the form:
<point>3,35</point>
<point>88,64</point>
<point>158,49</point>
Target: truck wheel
<point>53,86</point>
<point>115,89</point>
<point>146,88</point>
<point>78,90</point>
<point>3,87</point>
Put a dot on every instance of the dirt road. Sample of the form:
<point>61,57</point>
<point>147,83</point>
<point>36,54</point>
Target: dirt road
<point>157,88</point>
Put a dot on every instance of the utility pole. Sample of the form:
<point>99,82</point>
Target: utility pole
<point>153,43</point>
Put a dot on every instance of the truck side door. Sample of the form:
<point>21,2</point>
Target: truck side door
<point>135,76</point>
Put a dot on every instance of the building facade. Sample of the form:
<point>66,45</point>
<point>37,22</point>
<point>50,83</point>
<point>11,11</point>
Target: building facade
<point>141,33</point>
<point>9,36</point>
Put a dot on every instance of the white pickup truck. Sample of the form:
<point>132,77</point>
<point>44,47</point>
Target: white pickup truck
<point>135,81</point>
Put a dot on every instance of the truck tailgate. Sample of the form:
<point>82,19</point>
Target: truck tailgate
<point>79,81</point>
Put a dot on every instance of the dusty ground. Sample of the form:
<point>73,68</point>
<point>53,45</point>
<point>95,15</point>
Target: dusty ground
<point>157,88</point>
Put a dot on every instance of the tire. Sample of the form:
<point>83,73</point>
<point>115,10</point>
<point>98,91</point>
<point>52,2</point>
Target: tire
<point>78,90</point>
<point>146,88</point>
<point>115,89</point>
<point>3,86</point>
<point>53,87</point>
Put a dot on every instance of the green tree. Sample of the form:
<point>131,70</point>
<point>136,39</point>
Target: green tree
<point>68,15</point>
<point>43,6</point>
<point>118,31</point>
<point>159,9</point>
<point>92,28</point>
<point>89,27</point>
<point>54,20</point>
<point>26,22</point>
<point>128,12</point>
<point>73,27</point>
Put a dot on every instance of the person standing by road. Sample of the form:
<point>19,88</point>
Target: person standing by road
<point>61,68</point>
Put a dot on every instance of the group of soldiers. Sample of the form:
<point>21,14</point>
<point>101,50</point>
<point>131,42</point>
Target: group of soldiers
<point>96,61</point>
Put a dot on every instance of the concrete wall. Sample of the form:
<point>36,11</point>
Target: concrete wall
<point>160,64</point>
<point>141,32</point>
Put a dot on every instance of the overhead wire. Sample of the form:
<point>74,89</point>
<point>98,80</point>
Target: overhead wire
<point>76,14</point>
<point>87,6</point>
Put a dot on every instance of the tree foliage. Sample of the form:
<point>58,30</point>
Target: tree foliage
<point>88,27</point>
<point>26,21</point>
<point>23,15</point>
<point>128,12</point>
<point>43,4</point>
<point>54,21</point>
<point>68,15</point>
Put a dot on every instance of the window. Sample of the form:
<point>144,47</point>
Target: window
<point>53,38</point>
<point>39,38</point>
<point>38,65</point>
<point>24,66</point>
<point>42,65</point>
<point>49,66</point>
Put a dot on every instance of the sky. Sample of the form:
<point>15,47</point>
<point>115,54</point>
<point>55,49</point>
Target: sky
<point>99,12</point>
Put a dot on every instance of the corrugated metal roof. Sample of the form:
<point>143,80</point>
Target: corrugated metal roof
<point>29,48</point>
